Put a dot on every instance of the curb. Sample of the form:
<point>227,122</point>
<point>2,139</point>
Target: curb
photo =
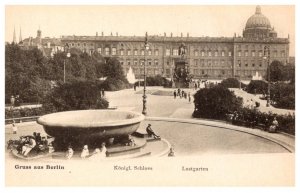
<point>288,147</point>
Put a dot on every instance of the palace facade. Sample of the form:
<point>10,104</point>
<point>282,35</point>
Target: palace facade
<point>206,57</point>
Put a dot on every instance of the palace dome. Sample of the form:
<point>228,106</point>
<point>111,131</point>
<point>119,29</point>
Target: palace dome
<point>258,20</point>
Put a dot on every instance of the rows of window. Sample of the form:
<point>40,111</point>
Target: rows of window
<point>122,52</point>
<point>218,72</point>
<point>137,62</point>
<point>260,53</point>
<point>149,71</point>
<point>80,44</point>
<point>247,63</point>
<point>203,63</point>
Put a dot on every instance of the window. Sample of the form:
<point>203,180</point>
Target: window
<point>122,62</point>
<point>135,62</point>
<point>239,53</point>
<point>253,53</point>
<point>196,53</point>
<point>78,44</point>
<point>149,62</point>
<point>142,62</point>
<point>202,72</point>
<point>229,53</point>
<point>246,65</point>
<point>128,62</point>
<point>106,51</point>
<point>149,52</point>
<point>260,53</point>
<point>84,44</point>
<point>167,52</point>
<point>275,54</point>
<point>121,52</point>
<point>202,62</point>
<point>253,65</point>
<point>135,52</point>
<point>175,52</point>
<point>156,52</point>
<point>128,52</point>
<point>282,54</point>
<point>260,63</point>
<point>216,53</point>
<point>92,44</point>
<point>142,52</point>
<point>246,53</point>
<point>72,44</point>
<point>222,53</point>
<point>209,53</point>
<point>202,53</point>
<point>239,63</point>
<point>196,62</point>
<point>114,51</point>
<point>156,62</point>
<point>99,50</point>
<point>216,63</point>
<point>168,63</point>
<point>222,63</point>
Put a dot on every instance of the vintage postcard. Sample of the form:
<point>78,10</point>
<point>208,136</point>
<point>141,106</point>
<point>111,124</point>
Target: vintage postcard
<point>150,95</point>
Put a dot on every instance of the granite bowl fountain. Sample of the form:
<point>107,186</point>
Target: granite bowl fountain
<point>91,127</point>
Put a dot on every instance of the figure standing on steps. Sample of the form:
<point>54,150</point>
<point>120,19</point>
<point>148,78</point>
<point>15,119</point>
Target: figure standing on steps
<point>151,133</point>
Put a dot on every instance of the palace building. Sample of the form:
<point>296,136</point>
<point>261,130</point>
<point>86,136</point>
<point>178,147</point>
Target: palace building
<point>205,57</point>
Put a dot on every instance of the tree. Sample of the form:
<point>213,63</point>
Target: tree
<point>276,71</point>
<point>257,87</point>
<point>215,102</point>
<point>230,83</point>
<point>75,95</point>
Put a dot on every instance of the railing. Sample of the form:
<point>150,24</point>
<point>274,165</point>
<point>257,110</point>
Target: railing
<point>21,119</point>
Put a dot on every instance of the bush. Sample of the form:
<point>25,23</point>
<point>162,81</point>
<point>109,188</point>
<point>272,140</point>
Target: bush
<point>231,83</point>
<point>257,87</point>
<point>157,80</point>
<point>215,102</point>
<point>112,84</point>
<point>283,95</point>
<point>77,95</point>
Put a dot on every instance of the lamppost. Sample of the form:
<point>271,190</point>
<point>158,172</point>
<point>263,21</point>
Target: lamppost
<point>144,112</point>
<point>267,57</point>
<point>66,50</point>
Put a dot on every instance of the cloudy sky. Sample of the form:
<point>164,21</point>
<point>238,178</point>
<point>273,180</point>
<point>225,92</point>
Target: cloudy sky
<point>214,21</point>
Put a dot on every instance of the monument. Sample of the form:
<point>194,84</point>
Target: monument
<point>130,76</point>
<point>181,75</point>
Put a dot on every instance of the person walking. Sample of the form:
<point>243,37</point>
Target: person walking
<point>189,95</point>
<point>174,93</point>
<point>14,128</point>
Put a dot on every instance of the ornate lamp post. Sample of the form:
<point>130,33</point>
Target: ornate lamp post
<point>267,57</point>
<point>144,112</point>
<point>66,50</point>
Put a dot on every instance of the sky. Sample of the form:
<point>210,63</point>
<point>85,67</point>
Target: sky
<point>197,20</point>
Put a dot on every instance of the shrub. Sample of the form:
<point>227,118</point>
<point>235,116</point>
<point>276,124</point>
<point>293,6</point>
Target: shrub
<point>231,83</point>
<point>157,80</point>
<point>77,95</point>
<point>257,87</point>
<point>215,102</point>
<point>283,95</point>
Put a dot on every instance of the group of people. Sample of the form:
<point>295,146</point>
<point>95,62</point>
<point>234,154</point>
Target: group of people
<point>35,143</point>
<point>182,94</point>
<point>99,153</point>
<point>15,101</point>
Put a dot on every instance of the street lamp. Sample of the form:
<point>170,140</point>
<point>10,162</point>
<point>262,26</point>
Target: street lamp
<point>267,57</point>
<point>66,50</point>
<point>144,112</point>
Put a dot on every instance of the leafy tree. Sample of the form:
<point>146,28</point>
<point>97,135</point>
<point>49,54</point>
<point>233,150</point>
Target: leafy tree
<point>215,102</point>
<point>230,83</point>
<point>257,87</point>
<point>283,95</point>
<point>75,95</point>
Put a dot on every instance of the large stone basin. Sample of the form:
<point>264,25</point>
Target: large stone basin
<point>85,126</point>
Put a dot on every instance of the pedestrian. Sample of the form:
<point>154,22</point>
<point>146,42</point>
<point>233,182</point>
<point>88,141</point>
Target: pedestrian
<point>189,97</point>
<point>134,87</point>
<point>171,153</point>
<point>178,92</point>
<point>182,93</point>
<point>69,153</point>
<point>17,101</point>
<point>151,133</point>
<point>12,101</point>
<point>103,92</point>
<point>174,94</point>
<point>14,128</point>
<point>85,152</point>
